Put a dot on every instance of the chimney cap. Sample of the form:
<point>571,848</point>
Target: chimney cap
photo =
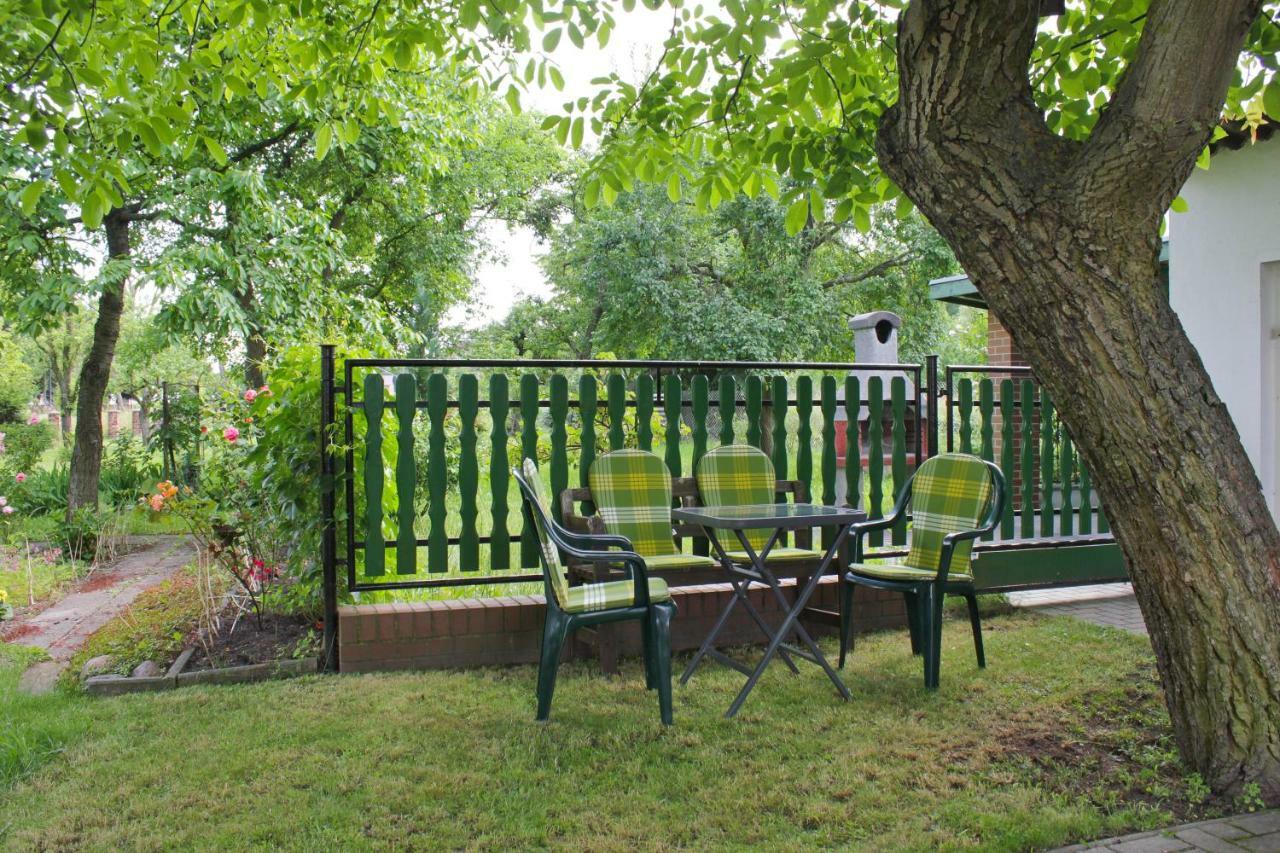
<point>873,319</point>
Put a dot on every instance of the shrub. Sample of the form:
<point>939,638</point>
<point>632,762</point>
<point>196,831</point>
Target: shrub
<point>17,380</point>
<point>23,444</point>
<point>128,470</point>
<point>45,491</point>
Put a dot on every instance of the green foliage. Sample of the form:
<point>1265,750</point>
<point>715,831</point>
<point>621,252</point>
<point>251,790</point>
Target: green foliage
<point>24,444</point>
<point>79,535</point>
<point>129,469</point>
<point>45,492</point>
<point>17,380</point>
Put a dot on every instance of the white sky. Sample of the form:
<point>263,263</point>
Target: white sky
<point>513,272</point>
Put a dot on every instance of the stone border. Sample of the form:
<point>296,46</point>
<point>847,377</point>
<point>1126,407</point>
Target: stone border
<point>1253,831</point>
<point>118,685</point>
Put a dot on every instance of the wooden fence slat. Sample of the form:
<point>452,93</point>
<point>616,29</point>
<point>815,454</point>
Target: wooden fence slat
<point>829,404</point>
<point>804,433</point>
<point>644,411</point>
<point>728,407</point>
<point>672,403</point>
<point>375,555</point>
<point>898,402</point>
<point>701,396</point>
<point>528,450</point>
<point>852,437</point>
<point>780,403</point>
<point>468,473</point>
<point>1006,454</point>
<point>964,399</point>
<point>587,410</point>
<point>755,403</point>
<point>986,408</point>
<point>616,388</point>
<point>1086,500</point>
<point>499,475</point>
<point>437,474</point>
<point>1046,464</point>
<point>875,454</point>
<point>1026,510</point>
<point>1066,464</point>
<point>558,393</point>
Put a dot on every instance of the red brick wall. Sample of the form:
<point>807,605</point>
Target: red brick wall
<point>484,631</point>
<point>1000,346</point>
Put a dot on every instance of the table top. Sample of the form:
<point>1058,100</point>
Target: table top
<point>774,516</point>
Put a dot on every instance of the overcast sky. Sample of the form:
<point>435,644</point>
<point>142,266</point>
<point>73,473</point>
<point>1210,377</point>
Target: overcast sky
<point>634,46</point>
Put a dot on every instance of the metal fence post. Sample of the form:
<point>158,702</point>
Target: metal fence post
<point>328,529</point>
<point>931,403</point>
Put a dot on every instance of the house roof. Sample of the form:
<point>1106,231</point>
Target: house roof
<point>959,290</point>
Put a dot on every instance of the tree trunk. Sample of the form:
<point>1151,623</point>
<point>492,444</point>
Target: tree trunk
<point>86,454</point>
<point>1061,238</point>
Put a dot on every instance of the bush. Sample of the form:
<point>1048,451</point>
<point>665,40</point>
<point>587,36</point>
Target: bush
<point>17,381</point>
<point>23,444</point>
<point>128,470</point>
<point>45,491</point>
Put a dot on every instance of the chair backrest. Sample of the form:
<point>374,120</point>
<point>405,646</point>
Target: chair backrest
<point>539,506</point>
<point>632,493</point>
<point>950,493</point>
<point>738,475</point>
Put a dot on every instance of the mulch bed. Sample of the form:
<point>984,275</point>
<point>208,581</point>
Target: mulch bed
<point>280,638</point>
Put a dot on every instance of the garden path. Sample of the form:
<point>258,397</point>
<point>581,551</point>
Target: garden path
<point>62,628</point>
<point>1110,604</point>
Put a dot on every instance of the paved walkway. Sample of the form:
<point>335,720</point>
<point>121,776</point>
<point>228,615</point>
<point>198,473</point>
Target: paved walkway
<point>1259,831</point>
<point>1110,604</point>
<point>62,628</point>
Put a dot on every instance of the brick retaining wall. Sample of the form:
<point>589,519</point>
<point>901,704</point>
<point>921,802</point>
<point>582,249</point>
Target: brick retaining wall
<point>482,631</point>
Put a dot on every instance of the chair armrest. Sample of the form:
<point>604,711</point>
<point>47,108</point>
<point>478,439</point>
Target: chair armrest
<point>633,562</point>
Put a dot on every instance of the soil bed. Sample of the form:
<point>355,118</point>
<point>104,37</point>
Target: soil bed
<point>281,638</point>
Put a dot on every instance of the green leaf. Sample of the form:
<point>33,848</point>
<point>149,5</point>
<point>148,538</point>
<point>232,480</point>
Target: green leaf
<point>216,151</point>
<point>1179,205</point>
<point>551,39</point>
<point>513,99</point>
<point>30,197</point>
<point>576,132</point>
<point>862,219</point>
<point>324,138</point>
<point>797,215</point>
<point>1271,99</point>
<point>1202,161</point>
<point>673,187</point>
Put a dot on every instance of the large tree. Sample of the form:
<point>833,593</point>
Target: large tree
<point>1046,155</point>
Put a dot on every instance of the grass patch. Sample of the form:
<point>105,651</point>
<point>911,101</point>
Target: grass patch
<point>36,578</point>
<point>154,627</point>
<point>455,759</point>
<point>33,729</point>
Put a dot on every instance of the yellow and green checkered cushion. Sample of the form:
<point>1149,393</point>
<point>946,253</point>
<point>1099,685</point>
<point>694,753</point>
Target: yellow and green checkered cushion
<point>950,493</point>
<point>550,553</point>
<point>671,562</point>
<point>591,597</point>
<point>778,553</point>
<point>632,492</point>
<point>738,475</point>
<point>900,572</point>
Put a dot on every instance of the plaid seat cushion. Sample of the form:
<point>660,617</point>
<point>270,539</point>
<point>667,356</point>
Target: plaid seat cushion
<point>738,475</point>
<point>632,492</point>
<point>900,572</point>
<point>659,562</point>
<point>778,553</point>
<point>950,493</point>
<point>591,597</point>
<point>550,553</point>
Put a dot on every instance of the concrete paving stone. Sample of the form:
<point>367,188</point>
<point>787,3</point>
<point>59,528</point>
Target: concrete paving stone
<point>1269,843</point>
<point>1224,828</point>
<point>1202,840</point>
<point>1260,823</point>
<point>1155,843</point>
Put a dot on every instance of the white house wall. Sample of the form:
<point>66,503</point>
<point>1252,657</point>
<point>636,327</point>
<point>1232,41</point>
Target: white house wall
<point>1218,250</point>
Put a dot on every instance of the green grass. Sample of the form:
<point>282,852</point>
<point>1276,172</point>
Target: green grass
<point>33,729</point>
<point>446,760</point>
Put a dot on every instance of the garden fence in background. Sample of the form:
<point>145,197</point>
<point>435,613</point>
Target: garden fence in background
<point>418,454</point>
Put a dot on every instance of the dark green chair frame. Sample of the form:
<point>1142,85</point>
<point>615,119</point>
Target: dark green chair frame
<point>654,616</point>
<point>924,597</point>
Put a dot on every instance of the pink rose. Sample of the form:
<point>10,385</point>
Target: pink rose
<point>4,501</point>
<point>157,502</point>
<point>250,395</point>
<point>7,510</point>
<point>20,477</point>
<point>33,420</point>
<point>231,434</point>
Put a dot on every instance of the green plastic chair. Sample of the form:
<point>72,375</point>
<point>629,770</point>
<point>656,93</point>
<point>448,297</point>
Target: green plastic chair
<point>742,475</point>
<point>632,493</point>
<point>955,498</point>
<point>638,598</point>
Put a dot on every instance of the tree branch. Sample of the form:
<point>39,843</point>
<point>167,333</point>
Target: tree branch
<point>873,272</point>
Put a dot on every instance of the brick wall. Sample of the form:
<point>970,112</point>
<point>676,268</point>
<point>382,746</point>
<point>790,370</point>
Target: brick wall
<point>1000,346</point>
<point>483,631</point>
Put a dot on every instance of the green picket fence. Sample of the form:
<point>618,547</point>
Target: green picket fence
<point>429,447</point>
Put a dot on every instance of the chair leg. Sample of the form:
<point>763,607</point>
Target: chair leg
<point>846,619</point>
<point>660,618</point>
<point>976,623</point>
<point>913,620</point>
<point>553,636</point>
<point>933,661</point>
<point>650,658</point>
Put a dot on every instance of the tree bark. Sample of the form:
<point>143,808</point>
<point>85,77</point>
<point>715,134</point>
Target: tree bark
<point>1062,240</point>
<point>86,453</point>
<point>255,346</point>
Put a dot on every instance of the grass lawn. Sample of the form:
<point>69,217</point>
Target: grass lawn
<point>1063,738</point>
